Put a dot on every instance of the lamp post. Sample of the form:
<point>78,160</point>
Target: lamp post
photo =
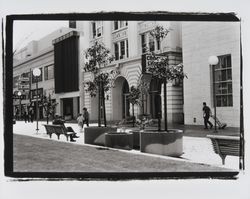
<point>36,72</point>
<point>20,105</point>
<point>213,61</point>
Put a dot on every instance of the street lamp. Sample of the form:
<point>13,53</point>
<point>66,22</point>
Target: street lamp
<point>213,61</point>
<point>20,105</point>
<point>36,72</point>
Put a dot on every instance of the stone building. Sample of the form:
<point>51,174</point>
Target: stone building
<point>126,40</point>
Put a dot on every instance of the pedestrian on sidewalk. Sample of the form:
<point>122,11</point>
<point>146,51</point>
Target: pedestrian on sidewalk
<point>25,116</point>
<point>80,122</point>
<point>206,115</point>
<point>85,117</point>
<point>31,115</point>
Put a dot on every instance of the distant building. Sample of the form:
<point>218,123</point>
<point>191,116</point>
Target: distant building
<point>40,54</point>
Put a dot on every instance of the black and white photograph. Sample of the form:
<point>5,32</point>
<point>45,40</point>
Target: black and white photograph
<point>127,96</point>
<point>124,97</point>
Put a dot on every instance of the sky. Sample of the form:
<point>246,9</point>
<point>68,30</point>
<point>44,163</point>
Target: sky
<point>26,31</point>
<point>131,189</point>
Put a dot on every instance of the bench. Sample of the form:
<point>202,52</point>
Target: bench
<point>225,145</point>
<point>58,130</point>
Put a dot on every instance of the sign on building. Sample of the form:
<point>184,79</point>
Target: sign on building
<point>24,83</point>
<point>149,61</point>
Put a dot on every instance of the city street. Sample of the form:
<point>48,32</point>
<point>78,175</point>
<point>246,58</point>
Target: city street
<point>196,149</point>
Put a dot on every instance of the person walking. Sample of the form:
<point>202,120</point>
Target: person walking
<point>31,115</point>
<point>28,115</point>
<point>80,122</point>
<point>25,116</point>
<point>17,114</point>
<point>206,115</point>
<point>85,117</point>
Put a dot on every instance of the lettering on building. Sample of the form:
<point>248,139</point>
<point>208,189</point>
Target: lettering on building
<point>120,35</point>
<point>149,60</point>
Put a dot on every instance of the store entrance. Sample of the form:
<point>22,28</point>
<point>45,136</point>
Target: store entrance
<point>68,108</point>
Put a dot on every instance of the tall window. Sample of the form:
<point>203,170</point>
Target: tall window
<point>121,49</point>
<point>151,43</point>
<point>97,29</point>
<point>223,82</point>
<point>48,72</point>
<point>120,24</point>
<point>148,43</point>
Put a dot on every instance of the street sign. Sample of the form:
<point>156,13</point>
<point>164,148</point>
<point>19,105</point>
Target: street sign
<point>24,79</point>
<point>23,87</point>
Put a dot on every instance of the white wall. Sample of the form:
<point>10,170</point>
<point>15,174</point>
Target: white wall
<point>133,38</point>
<point>201,40</point>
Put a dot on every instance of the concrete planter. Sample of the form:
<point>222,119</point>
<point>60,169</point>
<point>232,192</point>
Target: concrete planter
<point>136,139</point>
<point>162,143</point>
<point>119,140</point>
<point>96,135</point>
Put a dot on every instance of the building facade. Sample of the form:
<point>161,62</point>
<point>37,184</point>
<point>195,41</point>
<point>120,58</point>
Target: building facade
<point>200,40</point>
<point>41,54</point>
<point>127,41</point>
<point>60,57</point>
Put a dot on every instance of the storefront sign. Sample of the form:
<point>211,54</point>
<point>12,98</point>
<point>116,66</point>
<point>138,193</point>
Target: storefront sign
<point>24,83</point>
<point>23,87</point>
<point>24,79</point>
<point>36,97</point>
<point>149,60</point>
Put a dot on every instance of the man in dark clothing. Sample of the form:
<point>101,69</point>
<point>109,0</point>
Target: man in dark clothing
<point>31,114</point>
<point>206,115</point>
<point>25,116</point>
<point>59,121</point>
<point>85,117</point>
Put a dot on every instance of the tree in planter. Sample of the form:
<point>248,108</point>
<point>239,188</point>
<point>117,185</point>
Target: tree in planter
<point>98,56</point>
<point>134,99</point>
<point>49,106</point>
<point>160,69</point>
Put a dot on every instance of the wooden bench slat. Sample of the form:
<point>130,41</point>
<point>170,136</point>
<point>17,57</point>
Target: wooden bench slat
<point>225,145</point>
<point>58,130</point>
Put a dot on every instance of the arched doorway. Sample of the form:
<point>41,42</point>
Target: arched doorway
<point>120,105</point>
<point>155,98</point>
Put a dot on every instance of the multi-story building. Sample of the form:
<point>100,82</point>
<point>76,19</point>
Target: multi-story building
<point>127,41</point>
<point>40,54</point>
<point>60,56</point>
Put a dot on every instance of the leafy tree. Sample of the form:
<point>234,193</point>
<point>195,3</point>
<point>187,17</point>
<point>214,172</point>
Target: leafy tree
<point>159,67</point>
<point>98,56</point>
<point>134,99</point>
<point>49,106</point>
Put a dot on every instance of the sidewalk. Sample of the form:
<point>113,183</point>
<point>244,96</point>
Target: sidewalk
<point>197,148</point>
